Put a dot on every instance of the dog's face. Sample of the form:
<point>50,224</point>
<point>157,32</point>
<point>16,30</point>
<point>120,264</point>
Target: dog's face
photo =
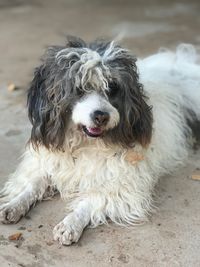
<point>95,115</point>
<point>94,89</point>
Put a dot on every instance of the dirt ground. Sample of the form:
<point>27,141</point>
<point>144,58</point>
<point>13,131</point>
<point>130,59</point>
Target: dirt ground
<point>172,236</point>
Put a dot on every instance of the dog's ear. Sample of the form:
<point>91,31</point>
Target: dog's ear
<point>138,115</point>
<point>136,121</point>
<point>135,124</point>
<point>49,104</point>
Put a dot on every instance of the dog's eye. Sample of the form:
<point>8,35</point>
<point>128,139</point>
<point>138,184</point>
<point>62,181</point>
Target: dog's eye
<point>79,92</point>
<point>113,90</point>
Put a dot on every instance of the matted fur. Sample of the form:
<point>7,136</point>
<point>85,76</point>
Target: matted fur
<point>147,116</point>
<point>67,73</point>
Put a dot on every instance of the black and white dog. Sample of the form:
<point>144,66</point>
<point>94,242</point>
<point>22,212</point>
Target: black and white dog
<point>104,130</point>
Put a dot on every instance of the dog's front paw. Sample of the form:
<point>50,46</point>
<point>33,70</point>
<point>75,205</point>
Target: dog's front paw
<point>10,214</point>
<point>12,210</point>
<point>69,230</point>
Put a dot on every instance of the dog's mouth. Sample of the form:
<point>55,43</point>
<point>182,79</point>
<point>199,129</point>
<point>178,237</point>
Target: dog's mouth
<point>92,131</point>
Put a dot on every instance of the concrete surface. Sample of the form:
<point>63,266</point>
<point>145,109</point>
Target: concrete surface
<point>172,236</point>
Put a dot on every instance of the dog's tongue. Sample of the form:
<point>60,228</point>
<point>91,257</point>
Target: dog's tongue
<point>95,130</point>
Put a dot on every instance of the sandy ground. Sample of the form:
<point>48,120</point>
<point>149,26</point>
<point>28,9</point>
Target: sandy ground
<point>172,236</point>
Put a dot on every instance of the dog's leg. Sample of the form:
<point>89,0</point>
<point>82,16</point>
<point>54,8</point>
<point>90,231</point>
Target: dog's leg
<point>24,188</point>
<point>70,229</point>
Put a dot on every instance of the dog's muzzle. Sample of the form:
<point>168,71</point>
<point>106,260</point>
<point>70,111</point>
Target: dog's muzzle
<point>100,120</point>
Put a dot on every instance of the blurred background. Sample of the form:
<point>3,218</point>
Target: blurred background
<point>28,26</point>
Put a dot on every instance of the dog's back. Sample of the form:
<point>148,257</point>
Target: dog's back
<point>172,82</point>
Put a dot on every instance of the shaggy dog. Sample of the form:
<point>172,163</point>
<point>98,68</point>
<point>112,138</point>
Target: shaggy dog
<point>104,129</point>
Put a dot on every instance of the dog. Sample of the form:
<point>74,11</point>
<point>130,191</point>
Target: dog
<point>105,127</point>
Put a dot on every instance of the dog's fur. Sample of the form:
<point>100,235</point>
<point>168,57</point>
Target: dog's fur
<point>147,108</point>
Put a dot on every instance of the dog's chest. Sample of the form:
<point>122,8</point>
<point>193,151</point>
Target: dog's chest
<point>92,167</point>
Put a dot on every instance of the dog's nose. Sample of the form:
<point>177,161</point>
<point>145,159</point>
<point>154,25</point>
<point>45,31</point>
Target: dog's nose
<point>100,118</point>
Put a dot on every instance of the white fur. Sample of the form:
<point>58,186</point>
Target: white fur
<point>71,227</point>
<point>83,110</point>
<point>94,178</point>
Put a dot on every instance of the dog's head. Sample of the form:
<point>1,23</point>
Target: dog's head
<point>94,87</point>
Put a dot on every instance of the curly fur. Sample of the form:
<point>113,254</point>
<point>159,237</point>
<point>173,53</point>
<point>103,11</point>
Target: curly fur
<point>148,114</point>
<point>67,73</point>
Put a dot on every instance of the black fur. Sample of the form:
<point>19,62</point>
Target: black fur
<point>52,95</point>
<point>50,99</point>
<point>128,97</point>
